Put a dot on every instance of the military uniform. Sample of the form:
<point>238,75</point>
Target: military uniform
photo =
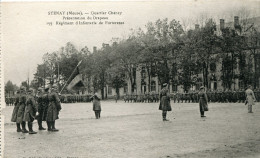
<point>203,102</point>
<point>30,111</point>
<point>96,105</point>
<point>53,109</point>
<point>15,111</point>
<point>21,109</point>
<point>41,108</point>
<point>250,98</point>
<point>165,104</point>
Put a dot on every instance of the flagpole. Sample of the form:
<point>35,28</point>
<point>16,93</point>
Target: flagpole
<point>70,76</point>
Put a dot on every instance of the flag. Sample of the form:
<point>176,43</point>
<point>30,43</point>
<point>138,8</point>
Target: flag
<point>76,80</point>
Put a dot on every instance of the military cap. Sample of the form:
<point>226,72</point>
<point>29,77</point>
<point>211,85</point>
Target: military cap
<point>165,84</point>
<point>202,87</point>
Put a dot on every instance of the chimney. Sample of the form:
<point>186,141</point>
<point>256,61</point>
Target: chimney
<point>222,24</point>
<point>236,21</point>
<point>94,49</point>
<point>197,26</point>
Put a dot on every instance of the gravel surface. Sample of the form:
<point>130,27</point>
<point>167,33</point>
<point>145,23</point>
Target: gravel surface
<point>136,130</point>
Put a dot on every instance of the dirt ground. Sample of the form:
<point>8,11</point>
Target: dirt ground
<point>136,130</point>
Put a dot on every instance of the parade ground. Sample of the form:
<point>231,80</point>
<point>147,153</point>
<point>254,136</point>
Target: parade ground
<point>136,130</point>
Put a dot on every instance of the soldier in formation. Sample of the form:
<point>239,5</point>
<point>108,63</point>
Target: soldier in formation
<point>142,98</point>
<point>74,98</point>
<point>10,101</point>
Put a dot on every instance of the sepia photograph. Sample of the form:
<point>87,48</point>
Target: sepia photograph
<point>130,79</point>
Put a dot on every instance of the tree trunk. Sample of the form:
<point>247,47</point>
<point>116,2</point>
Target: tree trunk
<point>117,92</point>
<point>255,66</point>
<point>103,84</point>
<point>232,70</point>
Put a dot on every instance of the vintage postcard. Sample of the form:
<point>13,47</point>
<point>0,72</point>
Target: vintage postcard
<point>131,79</point>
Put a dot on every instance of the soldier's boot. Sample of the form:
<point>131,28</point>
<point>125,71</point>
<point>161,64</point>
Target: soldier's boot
<point>49,125</point>
<point>250,109</point>
<point>18,127</point>
<point>202,114</point>
<point>24,130</point>
<point>99,114</point>
<point>30,126</point>
<point>96,114</point>
<point>53,127</point>
<point>164,114</point>
<point>40,125</point>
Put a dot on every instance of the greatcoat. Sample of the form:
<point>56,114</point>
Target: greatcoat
<point>21,109</point>
<point>165,104</point>
<point>203,101</point>
<point>250,97</point>
<point>30,109</point>
<point>54,107</point>
<point>16,107</point>
<point>96,103</point>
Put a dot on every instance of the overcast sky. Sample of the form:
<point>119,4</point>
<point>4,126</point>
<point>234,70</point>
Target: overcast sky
<point>26,36</point>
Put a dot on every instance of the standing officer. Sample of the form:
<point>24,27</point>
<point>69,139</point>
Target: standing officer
<point>203,101</point>
<point>15,111</point>
<point>30,111</point>
<point>54,108</point>
<point>20,112</point>
<point>250,98</point>
<point>96,105</point>
<point>41,108</point>
<point>165,104</point>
